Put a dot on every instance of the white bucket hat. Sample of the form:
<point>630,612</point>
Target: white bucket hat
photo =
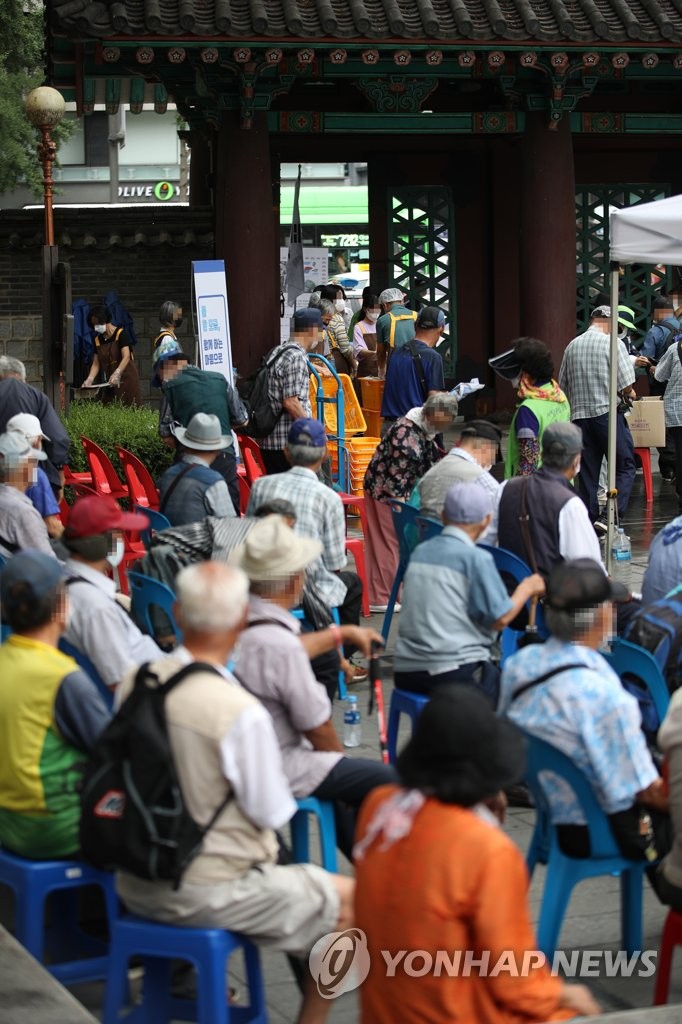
<point>272,551</point>
<point>202,434</point>
<point>27,424</point>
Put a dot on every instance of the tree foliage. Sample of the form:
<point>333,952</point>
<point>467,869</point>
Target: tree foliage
<point>22,42</point>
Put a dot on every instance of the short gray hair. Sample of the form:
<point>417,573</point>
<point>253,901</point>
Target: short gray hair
<point>442,401</point>
<point>570,625</point>
<point>10,367</point>
<point>326,306</point>
<point>314,299</point>
<point>212,596</point>
<point>304,455</point>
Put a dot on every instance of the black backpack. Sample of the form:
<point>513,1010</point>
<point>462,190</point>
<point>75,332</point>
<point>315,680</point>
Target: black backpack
<point>254,393</point>
<point>133,814</point>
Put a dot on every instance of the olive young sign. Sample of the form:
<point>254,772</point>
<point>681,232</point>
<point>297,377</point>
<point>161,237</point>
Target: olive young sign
<point>210,303</point>
<point>161,192</point>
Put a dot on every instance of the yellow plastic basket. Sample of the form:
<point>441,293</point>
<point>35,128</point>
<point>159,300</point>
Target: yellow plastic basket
<point>354,421</point>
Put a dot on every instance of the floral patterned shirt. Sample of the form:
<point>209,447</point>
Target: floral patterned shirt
<point>402,457</point>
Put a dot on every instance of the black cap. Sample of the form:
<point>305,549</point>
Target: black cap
<point>582,583</point>
<point>460,750</point>
<point>430,317</point>
<point>481,428</point>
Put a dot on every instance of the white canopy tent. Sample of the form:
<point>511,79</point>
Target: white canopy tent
<point>646,233</point>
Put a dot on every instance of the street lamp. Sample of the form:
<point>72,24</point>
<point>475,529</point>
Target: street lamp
<point>44,108</point>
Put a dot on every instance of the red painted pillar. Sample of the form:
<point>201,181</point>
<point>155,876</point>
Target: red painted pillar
<point>246,233</point>
<point>548,243</point>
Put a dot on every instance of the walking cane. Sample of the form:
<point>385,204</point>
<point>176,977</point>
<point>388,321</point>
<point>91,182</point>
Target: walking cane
<point>531,635</point>
<point>376,693</point>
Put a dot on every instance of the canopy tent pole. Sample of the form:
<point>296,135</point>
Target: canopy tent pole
<point>613,419</point>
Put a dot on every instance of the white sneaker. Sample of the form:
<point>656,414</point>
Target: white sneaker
<point>380,609</point>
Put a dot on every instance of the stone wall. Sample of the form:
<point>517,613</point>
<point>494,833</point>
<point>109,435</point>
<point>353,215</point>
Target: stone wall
<point>145,254</point>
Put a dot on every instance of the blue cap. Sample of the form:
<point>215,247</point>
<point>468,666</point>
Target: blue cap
<point>307,432</point>
<point>306,318</point>
<point>467,502</point>
<point>40,572</point>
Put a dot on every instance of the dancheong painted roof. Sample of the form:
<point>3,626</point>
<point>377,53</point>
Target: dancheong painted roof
<point>443,21</point>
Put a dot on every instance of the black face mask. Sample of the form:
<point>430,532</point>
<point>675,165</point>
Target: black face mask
<point>179,322</point>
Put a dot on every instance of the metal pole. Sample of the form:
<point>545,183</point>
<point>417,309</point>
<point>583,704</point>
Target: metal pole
<point>613,418</point>
<point>47,153</point>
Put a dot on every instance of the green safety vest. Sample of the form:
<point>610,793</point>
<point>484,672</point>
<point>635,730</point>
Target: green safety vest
<point>546,413</point>
<point>195,390</point>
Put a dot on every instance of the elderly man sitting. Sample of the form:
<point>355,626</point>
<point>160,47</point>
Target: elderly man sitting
<point>98,626</point>
<point>51,714</point>
<point>21,524</point>
<point>273,665</point>
<point>540,517</point>
<point>224,746</point>
<point>454,602</point>
<point>470,459</point>
<point>564,692</point>
<point>319,515</point>
<point>190,489</point>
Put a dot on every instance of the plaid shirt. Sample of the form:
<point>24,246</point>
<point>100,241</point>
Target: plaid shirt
<point>289,378</point>
<point>319,514</point>
<point>584,373</point>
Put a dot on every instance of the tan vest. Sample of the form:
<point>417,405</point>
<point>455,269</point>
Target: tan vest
<point>199,713</point>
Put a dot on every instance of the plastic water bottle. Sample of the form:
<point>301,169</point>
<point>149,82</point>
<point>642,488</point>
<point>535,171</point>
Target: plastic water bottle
<point>621,557</point>
<point>352,726</point>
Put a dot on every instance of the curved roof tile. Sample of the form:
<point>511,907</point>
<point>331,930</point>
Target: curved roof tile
<point>445,21</point>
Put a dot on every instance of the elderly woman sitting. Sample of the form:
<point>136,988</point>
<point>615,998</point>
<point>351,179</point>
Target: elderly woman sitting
<point>404,454</point>
<point>437,876</point>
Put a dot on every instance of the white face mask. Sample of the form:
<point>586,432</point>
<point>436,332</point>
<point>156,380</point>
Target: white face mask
<point>515,381</point>
<point>372,314</point>
<point>340,305</point>
<point>34,475</point>
<point>115,557</point>
<point>100,328</point>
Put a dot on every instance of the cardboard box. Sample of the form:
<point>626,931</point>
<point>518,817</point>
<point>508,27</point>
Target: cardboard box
<point>647,423</point>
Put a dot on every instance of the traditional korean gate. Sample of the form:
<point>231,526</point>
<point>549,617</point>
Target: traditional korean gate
<point>639,284</point>
<point>422,255</point>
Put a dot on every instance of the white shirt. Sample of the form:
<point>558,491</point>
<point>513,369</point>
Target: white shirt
<point>252,763</point>
<point>100,627</point>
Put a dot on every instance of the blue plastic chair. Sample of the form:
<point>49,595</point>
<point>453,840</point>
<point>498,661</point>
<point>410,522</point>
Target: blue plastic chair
<point>157,522</point>
<point>206,948</point>
<point>84,662</point>
<point>147,593</point>
<point>428,528</point>
<point>509,564</point>
<point>405,526</point>
<point>32,881</point>
<point>626,658</point>
<point>323,810</point>
<point>299,614</point>
<point>402,702</point>
<point>563,872</point>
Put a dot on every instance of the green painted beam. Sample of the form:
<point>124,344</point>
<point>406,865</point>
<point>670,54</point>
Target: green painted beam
<point>392,124</point>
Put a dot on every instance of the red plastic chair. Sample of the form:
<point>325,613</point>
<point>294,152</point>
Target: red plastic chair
<point>253,470</point>
<point>104,477</point>
<point>71,479</point>
<point>357,501</point>
<point>645,458</point>
<point>244,492</point>
<point>248,444</point>
<point>141,486</point>
<point>672,936</point>
<point>355,546</point>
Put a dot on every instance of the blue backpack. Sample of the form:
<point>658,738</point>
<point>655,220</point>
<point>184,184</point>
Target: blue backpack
<point>658,629</point>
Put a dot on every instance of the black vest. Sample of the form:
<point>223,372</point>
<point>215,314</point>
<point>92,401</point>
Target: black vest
<point>547,493</point>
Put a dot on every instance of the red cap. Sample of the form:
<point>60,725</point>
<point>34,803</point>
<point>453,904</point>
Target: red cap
<point>98,514</point>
